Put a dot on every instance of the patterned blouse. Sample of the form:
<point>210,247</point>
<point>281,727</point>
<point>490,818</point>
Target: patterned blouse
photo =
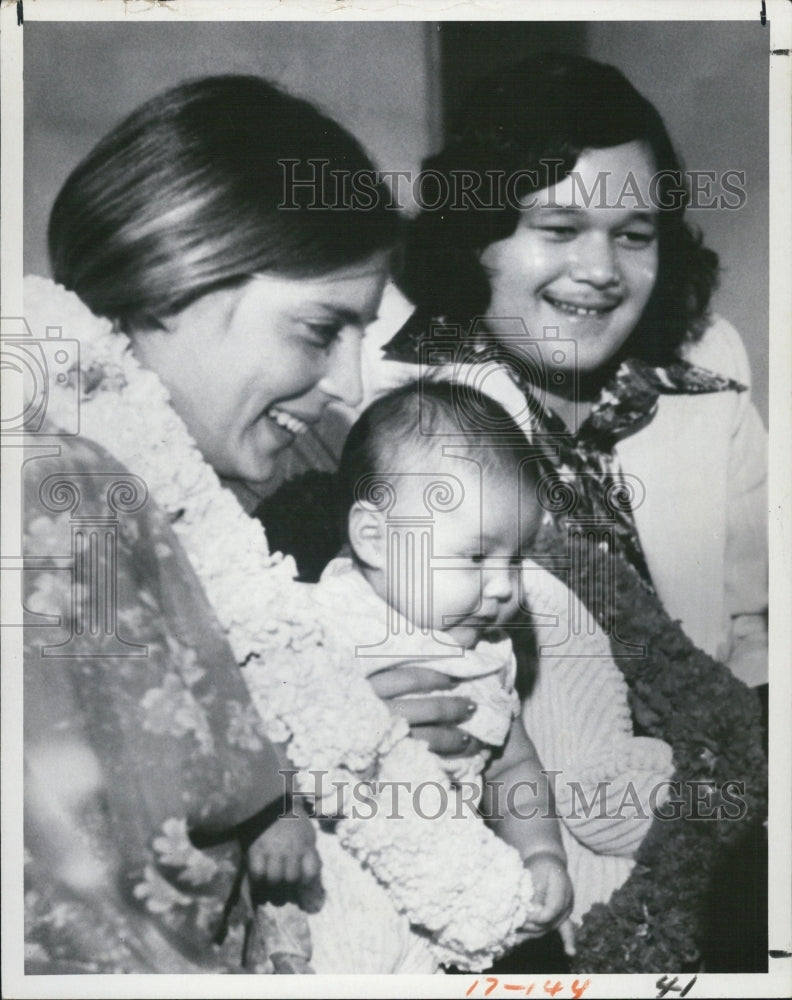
<point>143,751</point>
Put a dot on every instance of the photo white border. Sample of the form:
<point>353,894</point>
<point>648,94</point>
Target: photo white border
<point>778,981</point>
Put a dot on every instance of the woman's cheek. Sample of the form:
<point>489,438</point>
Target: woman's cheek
<point>643,275</point>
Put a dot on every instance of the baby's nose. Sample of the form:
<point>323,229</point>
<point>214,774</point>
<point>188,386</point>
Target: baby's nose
<point>499,584</point>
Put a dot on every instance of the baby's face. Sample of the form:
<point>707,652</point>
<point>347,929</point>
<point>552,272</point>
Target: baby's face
<point>471,583</point>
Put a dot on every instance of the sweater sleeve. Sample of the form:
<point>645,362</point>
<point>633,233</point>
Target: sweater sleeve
<point>605,780</point>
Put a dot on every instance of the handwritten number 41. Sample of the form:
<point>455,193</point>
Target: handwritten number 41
<point>665,986</point>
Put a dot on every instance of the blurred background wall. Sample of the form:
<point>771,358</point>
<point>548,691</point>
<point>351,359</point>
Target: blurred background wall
<point>394,84</point>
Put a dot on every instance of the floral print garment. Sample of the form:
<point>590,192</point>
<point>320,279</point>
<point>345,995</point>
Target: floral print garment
<point>140,741</point>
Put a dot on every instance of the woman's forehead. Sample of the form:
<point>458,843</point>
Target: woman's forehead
<point>614,177</point>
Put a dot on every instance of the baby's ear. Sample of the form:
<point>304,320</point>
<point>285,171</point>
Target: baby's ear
<point>367,535</point>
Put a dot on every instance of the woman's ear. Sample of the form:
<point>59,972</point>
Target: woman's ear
<point>366,529</point>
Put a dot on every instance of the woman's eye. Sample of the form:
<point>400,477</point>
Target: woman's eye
<point>636,239</point>
<point>558,232</point>
<point>323,334</point>
<point>478,557</point>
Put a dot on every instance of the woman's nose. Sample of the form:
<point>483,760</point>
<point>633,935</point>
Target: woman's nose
<point>593,260</point>
<point>343,379</point>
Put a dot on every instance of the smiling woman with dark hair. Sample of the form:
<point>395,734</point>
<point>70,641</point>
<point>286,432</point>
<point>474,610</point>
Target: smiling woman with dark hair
<point>645,381</point>
<point>530,124</point>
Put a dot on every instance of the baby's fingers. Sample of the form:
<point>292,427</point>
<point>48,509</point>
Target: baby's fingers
<point>311,865</point>
<point>269,867</point>
<point>553,905</point>
<point>291,868</point>
<point>531,931</point>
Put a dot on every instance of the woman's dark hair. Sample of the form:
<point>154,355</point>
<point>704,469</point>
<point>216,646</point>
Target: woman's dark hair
<point>194,191</point>
<point>539,116</point>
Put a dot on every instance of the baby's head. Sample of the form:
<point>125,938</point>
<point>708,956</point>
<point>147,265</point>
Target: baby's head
<point>438,486</point>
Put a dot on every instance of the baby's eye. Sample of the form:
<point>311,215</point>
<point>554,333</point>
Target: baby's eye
<point>478,557</point>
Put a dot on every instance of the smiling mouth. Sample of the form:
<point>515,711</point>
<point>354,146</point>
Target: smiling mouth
<point>578,309</point>
<point>287,421</point>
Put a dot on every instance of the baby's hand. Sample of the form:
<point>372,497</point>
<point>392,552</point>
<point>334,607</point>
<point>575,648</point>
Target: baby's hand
<point>552,893</point>
<point>285,851</point>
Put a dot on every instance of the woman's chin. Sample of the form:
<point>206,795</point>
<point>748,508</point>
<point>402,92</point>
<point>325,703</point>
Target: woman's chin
<point>256,473</point>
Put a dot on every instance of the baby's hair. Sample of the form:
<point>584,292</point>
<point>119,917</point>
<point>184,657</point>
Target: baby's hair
<point>406,430</point>
<point>521,121</point>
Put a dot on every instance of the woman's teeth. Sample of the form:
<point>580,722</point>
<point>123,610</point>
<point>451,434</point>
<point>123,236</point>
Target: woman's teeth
<point>575,310</point>
<point>283,419</point>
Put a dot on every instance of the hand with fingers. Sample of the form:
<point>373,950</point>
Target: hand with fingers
<point>553,894</point>
<point>285,852</point>
<point>410,691</point>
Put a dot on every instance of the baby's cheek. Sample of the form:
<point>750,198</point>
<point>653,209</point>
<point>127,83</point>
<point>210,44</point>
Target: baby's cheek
<point>511,608</point>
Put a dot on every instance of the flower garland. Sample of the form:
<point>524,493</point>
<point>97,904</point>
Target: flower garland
<point>655,921</point>
<point>309,697</point>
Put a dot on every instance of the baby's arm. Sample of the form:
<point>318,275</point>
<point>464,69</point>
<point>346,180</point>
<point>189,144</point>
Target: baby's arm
<point>517,803</point>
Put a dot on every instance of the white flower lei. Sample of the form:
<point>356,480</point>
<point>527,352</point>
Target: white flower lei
<point>309,696</point>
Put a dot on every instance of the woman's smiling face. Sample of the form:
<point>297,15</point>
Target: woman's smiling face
<point>587,272</point>
<point>250,369</point>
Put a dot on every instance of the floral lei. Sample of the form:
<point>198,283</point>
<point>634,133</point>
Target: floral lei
<point>328,716</point>
<point>656,920</point>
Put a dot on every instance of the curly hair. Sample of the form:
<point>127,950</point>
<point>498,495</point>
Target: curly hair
<point>520,122</point>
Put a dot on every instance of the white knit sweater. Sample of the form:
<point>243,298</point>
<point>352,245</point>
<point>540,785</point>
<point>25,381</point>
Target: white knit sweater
<point>579,719</point>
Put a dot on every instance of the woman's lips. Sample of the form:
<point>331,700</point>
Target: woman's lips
<point>582,308</point>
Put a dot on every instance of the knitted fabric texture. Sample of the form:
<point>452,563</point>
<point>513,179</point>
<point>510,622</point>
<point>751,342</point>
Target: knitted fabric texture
<point>606,781</point>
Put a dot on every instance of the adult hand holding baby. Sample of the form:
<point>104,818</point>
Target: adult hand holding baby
<point>434,718</point>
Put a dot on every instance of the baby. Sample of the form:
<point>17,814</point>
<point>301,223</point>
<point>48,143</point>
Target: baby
<point>436,543</point>
<point>441,507</point>
<point>439,489</point>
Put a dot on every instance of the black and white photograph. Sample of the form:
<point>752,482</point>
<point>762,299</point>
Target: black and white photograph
<point>396,499</point>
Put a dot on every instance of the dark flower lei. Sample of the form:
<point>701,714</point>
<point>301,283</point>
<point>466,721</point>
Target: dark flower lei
<point>656,921</point>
